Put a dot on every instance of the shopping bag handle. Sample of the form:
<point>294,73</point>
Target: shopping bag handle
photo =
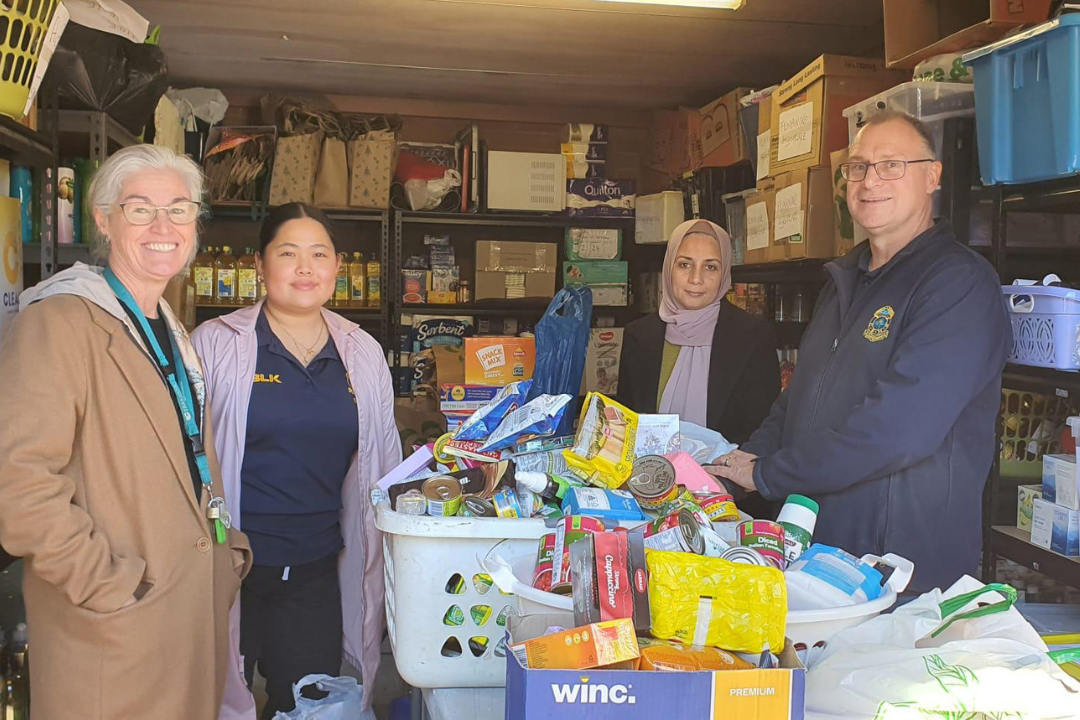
<point>952,605</point>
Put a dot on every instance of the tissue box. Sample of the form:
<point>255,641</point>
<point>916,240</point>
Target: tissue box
<point>1056,528</point>
<point>597,197</point>
<point>1025,498</point>
<point>1060,481</point>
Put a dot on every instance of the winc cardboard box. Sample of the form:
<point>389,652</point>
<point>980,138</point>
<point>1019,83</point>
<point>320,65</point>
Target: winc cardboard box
<point>808,122</point>
<point>777,694</point>
<point>803,219</point>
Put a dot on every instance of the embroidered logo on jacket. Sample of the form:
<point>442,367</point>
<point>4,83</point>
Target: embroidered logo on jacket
<point>878,329</point>
<point>263,378</point>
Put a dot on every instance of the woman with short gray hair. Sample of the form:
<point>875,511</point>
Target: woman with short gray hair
<point>109,485</point>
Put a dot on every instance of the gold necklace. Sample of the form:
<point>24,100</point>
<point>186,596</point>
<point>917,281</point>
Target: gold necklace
<point>307,351</point>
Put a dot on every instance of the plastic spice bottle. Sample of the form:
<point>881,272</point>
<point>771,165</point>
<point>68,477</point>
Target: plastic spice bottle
<point>798,518</point>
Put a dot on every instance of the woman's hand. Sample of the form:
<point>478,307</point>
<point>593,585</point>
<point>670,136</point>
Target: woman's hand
<point>737,466</point>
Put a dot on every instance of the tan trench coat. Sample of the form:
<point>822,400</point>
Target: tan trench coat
<point>96,494</point>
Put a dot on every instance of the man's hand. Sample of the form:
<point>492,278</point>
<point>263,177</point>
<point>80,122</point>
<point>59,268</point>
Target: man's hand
<point>737,466</point>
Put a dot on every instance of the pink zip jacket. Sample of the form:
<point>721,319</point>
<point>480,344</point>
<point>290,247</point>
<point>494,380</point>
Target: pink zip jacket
<point>229,348</point>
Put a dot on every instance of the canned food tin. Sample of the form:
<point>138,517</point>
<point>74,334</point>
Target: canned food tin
<point>411,503</point>
<point>568,531</point>
<point>715,546</point>
<point>745,556</point>
<point>482,582</point>
<point>685,501</point>
<point>720,507</point>
<point>766,537</point>
<point>480,614</point>
<point>476,506</point>
<point>443,495</point>
<point>454,617</point>
<point>678,532</point>
<point>506,504</point>
<point>652,481</point>
<point>545,563</point>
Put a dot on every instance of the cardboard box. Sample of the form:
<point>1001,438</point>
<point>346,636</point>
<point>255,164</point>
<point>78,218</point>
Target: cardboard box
<point>1060,485</point>
<point>657,216</point>
<point>414,286</point>
<point>602,361</point>
<point>669,141</point>
<point>808,122</point>
<point>843,225</point>
<point>444,278</point>
<point>803,216</point>
<point>441,297</point>
<point>764,140</point>
<point>499,360</point>
<point>760,210</point>
<point>595,272</point>
<point>610,579</point>
<point>593,243</point>
<point>933,27</point>
<point>458,397</point>
<point>716,139</point>
<point>1055,528</point>
<point>577,648</point>
<point>1026,495</point>
<point>180,295</point>
<point>449,364</point>
<point>532,694</point>
<point>502,264</point>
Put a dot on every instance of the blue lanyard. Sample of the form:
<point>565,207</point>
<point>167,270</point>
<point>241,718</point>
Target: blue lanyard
<point>179,386</point>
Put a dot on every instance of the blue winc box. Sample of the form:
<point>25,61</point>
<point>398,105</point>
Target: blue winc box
<point>777,694</point>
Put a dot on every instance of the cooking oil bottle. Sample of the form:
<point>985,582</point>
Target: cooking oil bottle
<point>225,277</point>
<point>202,274</point>
<point>357,280</point>
<point>374,284</point>
<point>341,282</point>
<point>247,283</point>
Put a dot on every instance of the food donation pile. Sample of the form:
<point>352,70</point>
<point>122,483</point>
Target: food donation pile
<point>664,571</point>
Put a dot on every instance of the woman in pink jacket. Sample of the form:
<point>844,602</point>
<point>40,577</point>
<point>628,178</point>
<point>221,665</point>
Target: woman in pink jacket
<point>303,407</point>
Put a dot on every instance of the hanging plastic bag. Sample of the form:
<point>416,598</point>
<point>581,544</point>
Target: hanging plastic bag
<point>345,700</point>
<point>944,655</point>
<point>562,338</point>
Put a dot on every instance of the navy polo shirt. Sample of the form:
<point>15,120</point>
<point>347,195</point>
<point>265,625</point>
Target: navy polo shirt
<point>302,434</point>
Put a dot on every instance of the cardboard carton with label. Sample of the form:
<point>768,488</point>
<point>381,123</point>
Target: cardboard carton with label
<point>764,142</point>
<point>760,210</point>
<point>505,269</point>
<point>807,114</point>
<point>803,220</point>
<point>498,360</point>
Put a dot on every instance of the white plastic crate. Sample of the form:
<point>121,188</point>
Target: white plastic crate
<point>1046,326</point>
<point>425,557</point>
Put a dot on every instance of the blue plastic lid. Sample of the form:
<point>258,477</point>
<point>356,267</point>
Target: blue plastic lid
<point>1067,20</point>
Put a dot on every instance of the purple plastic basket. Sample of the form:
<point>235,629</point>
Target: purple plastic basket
<point>1046,326</point>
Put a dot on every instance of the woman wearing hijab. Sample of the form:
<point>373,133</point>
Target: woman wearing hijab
<point>701,357</point>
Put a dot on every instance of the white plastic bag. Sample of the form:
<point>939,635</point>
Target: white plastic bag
<point>344,702</point>
<point>703,444</point>
<point>944,655</point>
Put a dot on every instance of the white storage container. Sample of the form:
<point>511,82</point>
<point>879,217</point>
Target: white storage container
<point>931,102</point>
<point>735,211</point>
<point>1046,326</point>
<point>657,217</point>
<point>425,557</point>
<point>534,182</point>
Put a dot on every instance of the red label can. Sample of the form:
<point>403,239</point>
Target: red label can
<point>720,507</point>
<point>545,563</point>
<point>766,537</point>
<point>678,532</point>
<point>569,530</point>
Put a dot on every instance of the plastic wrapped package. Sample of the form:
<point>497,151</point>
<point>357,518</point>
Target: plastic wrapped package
<point>484,421</point>
<point>667,656</point>
<point>603,451</point>
<point>536,418</point>
<point>699,600</point>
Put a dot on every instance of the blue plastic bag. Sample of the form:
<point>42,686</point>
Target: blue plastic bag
<point>562,338</point>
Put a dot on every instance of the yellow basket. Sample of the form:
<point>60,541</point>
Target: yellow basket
<point>22,33</point>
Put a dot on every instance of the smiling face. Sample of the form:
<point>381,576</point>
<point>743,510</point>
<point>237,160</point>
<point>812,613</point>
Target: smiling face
<point>299,266</point>
<point>886,207</point>
<point>697,272</point>
<point>152,253</point>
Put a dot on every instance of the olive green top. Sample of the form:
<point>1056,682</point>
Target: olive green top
<point>667,364</point>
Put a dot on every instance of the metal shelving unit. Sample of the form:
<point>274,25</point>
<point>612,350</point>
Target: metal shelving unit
<point>1015,544</point>
<point>104,134</point>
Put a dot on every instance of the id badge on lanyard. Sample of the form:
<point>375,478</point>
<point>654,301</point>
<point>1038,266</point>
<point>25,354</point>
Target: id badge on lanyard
<point>216,511</point>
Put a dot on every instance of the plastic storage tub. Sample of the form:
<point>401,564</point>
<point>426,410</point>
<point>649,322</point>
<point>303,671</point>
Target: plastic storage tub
<point>432,567</point>
<point>1027,103</point>
<point>933,103</point>
<point>735,214</point>
<point>1046,326</point>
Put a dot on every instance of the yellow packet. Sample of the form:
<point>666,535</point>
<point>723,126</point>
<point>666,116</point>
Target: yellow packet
<point>700,600</point>
<point>603,451</point>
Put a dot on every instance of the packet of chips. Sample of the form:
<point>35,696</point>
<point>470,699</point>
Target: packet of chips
<point>698,600</point>
<point>603,451</point>
<point>483,422</point>
<point>668,656</point>
<point>537,418</point>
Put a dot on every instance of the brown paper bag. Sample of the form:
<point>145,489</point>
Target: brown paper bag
<point>371,170</point>
<point>332,178</point>
<point>296,160</point>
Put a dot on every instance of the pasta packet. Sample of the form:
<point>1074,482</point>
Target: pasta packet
<point>603,451</point>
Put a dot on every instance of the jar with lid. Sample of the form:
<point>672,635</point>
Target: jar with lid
<point>464,292</point>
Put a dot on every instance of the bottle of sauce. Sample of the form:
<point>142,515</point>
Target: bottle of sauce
<point>341,282</point>
<point>202,274</point>
<point>798,518</point>
<point>357,280</point>
<point>374,284</point>
<point>225,277</point>
<point>246,278</point>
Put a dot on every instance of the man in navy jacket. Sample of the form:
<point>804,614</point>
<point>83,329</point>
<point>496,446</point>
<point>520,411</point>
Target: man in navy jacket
<point>889,418</point>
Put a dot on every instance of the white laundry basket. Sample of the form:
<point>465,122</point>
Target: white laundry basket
<point>431,568</point>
